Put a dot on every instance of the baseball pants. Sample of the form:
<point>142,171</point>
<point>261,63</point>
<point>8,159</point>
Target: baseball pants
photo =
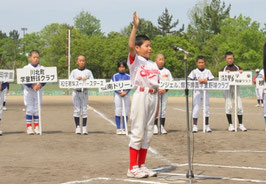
<point>229,98</point>
<point>31,101</point>
<point>80,101</point>
<point>259,93</point>
<point>143,110</point>
<point>119,106</point>
<point>163,99</point>
<point>197,101</point>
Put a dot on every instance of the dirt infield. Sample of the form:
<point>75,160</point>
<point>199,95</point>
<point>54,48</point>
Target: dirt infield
<point>60,156</point>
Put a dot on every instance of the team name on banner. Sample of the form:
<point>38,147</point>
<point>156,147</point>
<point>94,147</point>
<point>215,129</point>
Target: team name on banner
<point>7,75</point>
<point>236,78</point>
<point>90,83</point>
<point>260,83</point>
<point>36,75</point>
<point>119,85</point>
<point>180,85</point>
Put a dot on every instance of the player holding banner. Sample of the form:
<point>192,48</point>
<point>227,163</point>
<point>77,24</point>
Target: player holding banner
<point>30,96</point>
<point>120,95</point>
<point>202,75</point>
<point>145,76</point>
<point>229,94</point>
<point>80,96</point>
<point>165,75</point>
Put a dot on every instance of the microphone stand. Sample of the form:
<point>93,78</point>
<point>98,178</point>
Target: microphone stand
<point>190,174</point>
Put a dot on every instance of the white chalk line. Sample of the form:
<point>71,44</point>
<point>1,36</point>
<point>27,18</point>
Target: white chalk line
<point>216,178</point>
<point>221,166</point>
<point>182,165</point>
<point>113,179</point>
<point>183,110</point>
<point>240,151</point>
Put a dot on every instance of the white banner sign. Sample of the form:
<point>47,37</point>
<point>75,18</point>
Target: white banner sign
<point>260,83</point>
<point>6,75</point>
<point>180,85</point>
<point>119,85</point>
<point>236,78</point>
<point>90,83</point>
<point>36,75</point>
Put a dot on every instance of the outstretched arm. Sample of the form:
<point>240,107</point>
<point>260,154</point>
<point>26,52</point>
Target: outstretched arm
<point>131,42</point>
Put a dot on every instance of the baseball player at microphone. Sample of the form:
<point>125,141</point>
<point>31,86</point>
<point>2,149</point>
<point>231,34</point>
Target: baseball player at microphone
<point>144,75</point>
<point>165,75</point>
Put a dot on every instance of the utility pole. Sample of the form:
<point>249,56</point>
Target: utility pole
<point>24,29</point>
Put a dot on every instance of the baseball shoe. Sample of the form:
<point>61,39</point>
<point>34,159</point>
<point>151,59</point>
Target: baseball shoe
<point>147,171</point>
<point>37,130</point>
<point>136,172</point>
<point>262,105</point>
<point>155,129</point>
<point>207,128</point>
<point>119,132</point>
<point>242,128</point>
<point>257,105</point>
<point>84,130</point>
<point>123,132</point>
<point>78,131</point>
<point>231,128</point>
<point>195,129</point>
<point>163,131</point>
<point>4,108</point>
<point>30,131</point>
<point>1,133</point>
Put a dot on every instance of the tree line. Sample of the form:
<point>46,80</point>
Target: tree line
<point>211,32</point>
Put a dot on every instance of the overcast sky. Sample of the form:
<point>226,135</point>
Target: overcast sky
<point>113,14</point>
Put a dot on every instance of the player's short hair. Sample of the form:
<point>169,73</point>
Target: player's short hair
<point>34,52</point>
<point>122,62</point>
<point>158,55</point>
<point>140,39</point>
<point>201,57</point>
<point>81,55</point>
<point>229,53</point>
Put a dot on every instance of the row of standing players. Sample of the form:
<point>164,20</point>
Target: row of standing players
<point>80,103</point>
<point>145,76</point>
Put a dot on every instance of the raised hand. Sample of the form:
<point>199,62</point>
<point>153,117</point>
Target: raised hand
<point>135,19</point>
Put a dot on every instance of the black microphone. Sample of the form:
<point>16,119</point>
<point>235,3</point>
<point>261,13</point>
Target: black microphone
<point>176,48</point>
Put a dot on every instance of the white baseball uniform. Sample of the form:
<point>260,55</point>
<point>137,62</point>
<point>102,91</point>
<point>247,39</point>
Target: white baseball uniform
<point>165,75</point>
<point>198,94</point>
<point>79,96</point>
<point>30,96</point>
<point>258,91</point>
<point>145,77</point>
<point>117,98</point>
<point>229,94</point>
<point>264,108</point>
<point>1,101</point>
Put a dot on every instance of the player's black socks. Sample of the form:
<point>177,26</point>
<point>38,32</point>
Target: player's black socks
<point>240,117</point>
<point>156,122</point>
<point>4,104</point>
<point>261,101</point>
<point>76,121</point>
<point>84,122</point>
<point>229,118</point>
<point>195,121</point>
<point>258,101</point>
<point>162,121</point>
<point>206,120</point>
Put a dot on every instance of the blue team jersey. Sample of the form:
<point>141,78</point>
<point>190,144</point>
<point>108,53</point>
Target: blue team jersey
<point>120,77</point>
<point>4,85</point>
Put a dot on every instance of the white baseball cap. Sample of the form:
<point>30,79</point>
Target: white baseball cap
<point>257,70</point>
